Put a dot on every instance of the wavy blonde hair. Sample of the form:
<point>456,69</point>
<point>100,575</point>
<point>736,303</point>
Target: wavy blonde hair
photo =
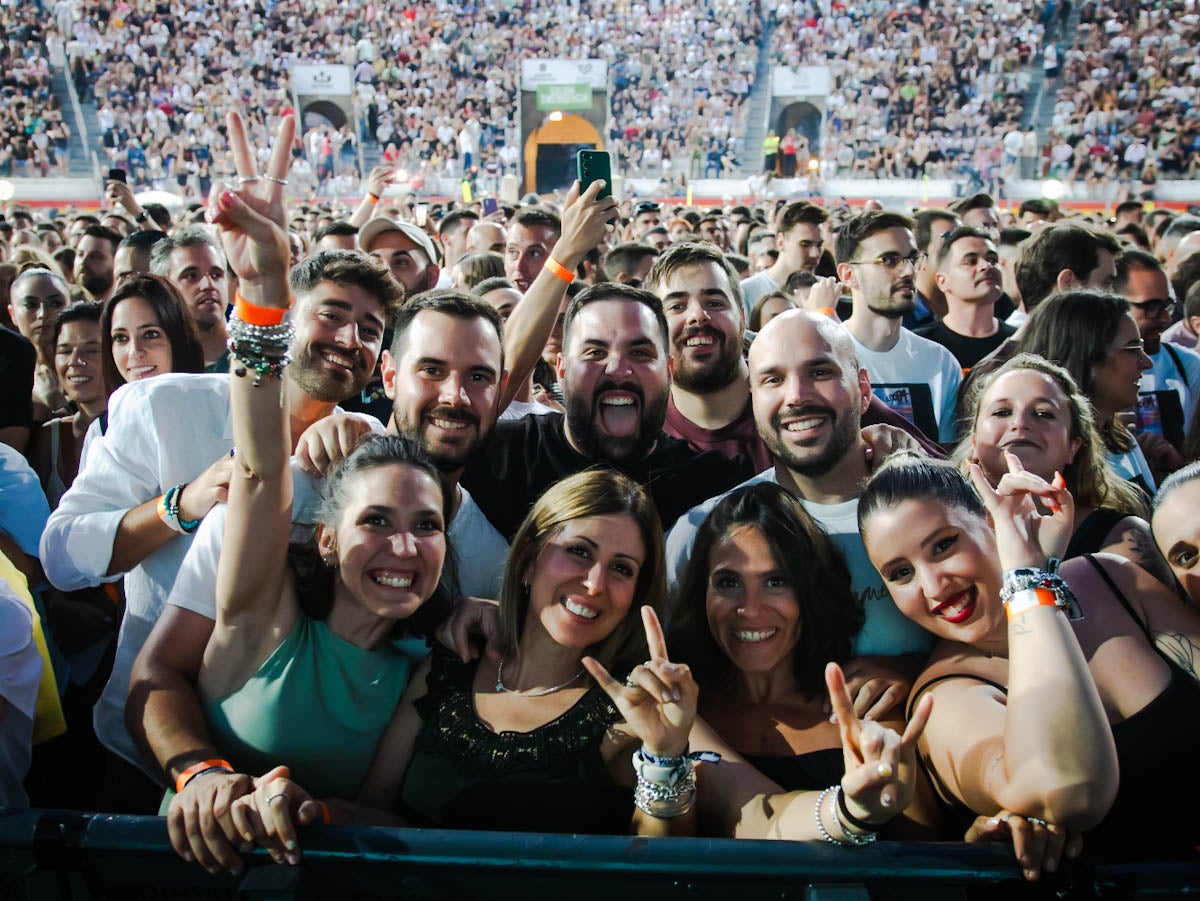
<point>1089,478</point>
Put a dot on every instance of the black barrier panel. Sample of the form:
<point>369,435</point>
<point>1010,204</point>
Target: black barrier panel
<point>60,855</point>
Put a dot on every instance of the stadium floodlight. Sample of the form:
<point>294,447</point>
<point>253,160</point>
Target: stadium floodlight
<point>1053,189</point>
<point>7,189</point>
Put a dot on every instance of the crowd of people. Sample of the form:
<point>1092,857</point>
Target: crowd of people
<point>33,134</point>
<point>916,89</point>
<point>1125,107</point>
<point>317,517</point>
<point>435,85</point>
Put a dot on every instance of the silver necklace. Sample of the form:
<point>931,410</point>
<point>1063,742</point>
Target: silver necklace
<point>530,693</point>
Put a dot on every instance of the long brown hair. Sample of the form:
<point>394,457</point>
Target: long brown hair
<point>595,492</point>
<point>164,299</point>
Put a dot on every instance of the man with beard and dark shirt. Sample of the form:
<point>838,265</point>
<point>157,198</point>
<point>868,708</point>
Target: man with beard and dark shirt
<point>174,432</point>
<point>95,261</point>
<point>968,272</point>
<point>809,393</point>
<point>615,372</point>
<point>709,405</point>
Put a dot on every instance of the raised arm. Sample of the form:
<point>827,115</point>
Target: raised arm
<point>1044,750</point>
<point>584,225</point>
<point>251,223</point>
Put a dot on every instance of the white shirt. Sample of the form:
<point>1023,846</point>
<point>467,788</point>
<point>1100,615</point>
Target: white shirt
<point>885,630</point>
<point>161,432</point>
<point>915,361</point>
<point>1184,378</point>
<point>757,286</point>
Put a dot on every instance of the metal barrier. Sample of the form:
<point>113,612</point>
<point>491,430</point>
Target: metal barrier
<point>64,855</point>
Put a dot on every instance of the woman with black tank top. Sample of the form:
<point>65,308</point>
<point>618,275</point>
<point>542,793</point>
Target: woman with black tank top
<point>763,603</point>
<point>1046,684</point>
<point>1033,409</point>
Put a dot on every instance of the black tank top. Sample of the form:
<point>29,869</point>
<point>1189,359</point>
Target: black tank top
<point>1155,812</point>
<point>813,771</point>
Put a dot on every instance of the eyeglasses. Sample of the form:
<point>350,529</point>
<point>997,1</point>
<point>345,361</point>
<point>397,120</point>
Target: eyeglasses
<point>1137,346</point>
<point>893,261</point>
<point>1152,309</point>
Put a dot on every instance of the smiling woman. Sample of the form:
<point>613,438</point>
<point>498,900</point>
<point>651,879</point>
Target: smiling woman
<point>1027,655</point>
<point>147,331</point>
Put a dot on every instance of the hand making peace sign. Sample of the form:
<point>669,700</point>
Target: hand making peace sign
<point>252,218</point>
<point>881,766</point>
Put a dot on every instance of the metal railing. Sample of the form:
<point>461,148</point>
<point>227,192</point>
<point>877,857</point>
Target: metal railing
<point>61,855</point>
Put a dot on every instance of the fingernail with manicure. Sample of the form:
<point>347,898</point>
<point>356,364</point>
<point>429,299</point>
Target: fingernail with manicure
<point>227,200</point>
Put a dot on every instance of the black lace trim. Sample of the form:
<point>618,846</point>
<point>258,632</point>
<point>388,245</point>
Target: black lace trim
<point>456,732</point>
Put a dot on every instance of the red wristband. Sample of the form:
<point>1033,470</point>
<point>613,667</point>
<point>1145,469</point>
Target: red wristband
<point>255,315</point>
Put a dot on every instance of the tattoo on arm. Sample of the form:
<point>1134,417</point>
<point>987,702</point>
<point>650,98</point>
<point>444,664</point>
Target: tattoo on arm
<point>1179,648</point>
<point>1141,549</point>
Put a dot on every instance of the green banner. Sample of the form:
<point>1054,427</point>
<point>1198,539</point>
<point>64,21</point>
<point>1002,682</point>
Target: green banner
<point>564,96</point>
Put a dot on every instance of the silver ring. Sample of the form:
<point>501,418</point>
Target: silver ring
<point>1035,821</point>
<point>278,181</point>
<point>280,795</point>
<point>246,179</point>
<point>629,683</point>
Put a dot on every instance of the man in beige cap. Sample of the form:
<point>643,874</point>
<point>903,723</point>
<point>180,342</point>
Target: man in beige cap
<point>405,249</point>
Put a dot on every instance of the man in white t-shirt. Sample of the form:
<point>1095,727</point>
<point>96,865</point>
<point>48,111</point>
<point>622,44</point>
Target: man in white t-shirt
<point>809,394</point>
<point>1167,393</point>
<point>918,378</point>
<point>798,239</point>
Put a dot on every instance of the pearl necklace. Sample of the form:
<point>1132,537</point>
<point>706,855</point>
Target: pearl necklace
<point>530,693</point>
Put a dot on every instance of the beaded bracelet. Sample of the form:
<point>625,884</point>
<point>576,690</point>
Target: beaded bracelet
<point>264,348</point>
<point>168,511</point>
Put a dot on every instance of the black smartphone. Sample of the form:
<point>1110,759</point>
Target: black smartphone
<point>118,175</point>
<point>491,206</point>
<point>595,165</point>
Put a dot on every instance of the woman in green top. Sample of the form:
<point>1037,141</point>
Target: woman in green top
<point>301,666</point>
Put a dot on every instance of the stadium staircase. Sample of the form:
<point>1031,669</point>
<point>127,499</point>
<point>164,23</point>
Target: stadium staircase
<point>760,103</point>
<point>79,147</point>
<point>1038,103</point>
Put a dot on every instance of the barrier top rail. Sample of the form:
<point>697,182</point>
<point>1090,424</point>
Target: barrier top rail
<point>110,856</point>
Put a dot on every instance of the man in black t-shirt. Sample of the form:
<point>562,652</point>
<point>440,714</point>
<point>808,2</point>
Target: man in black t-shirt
<point>968,273</point>
<point>615,372</point>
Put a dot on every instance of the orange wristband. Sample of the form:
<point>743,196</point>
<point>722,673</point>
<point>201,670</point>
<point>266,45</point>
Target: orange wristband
<point>325,818</point>
<point>560,270</point>
<point>830,312</point>
<point>255,315</point>
<point>372,198</point>
<point>1028,598</point>
<point>197,768</point>
<point>161,509</point>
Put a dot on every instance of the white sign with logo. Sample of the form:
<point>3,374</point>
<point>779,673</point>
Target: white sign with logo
<point>802,81</point>
<point>536,72</point>
<point>327,81</point>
